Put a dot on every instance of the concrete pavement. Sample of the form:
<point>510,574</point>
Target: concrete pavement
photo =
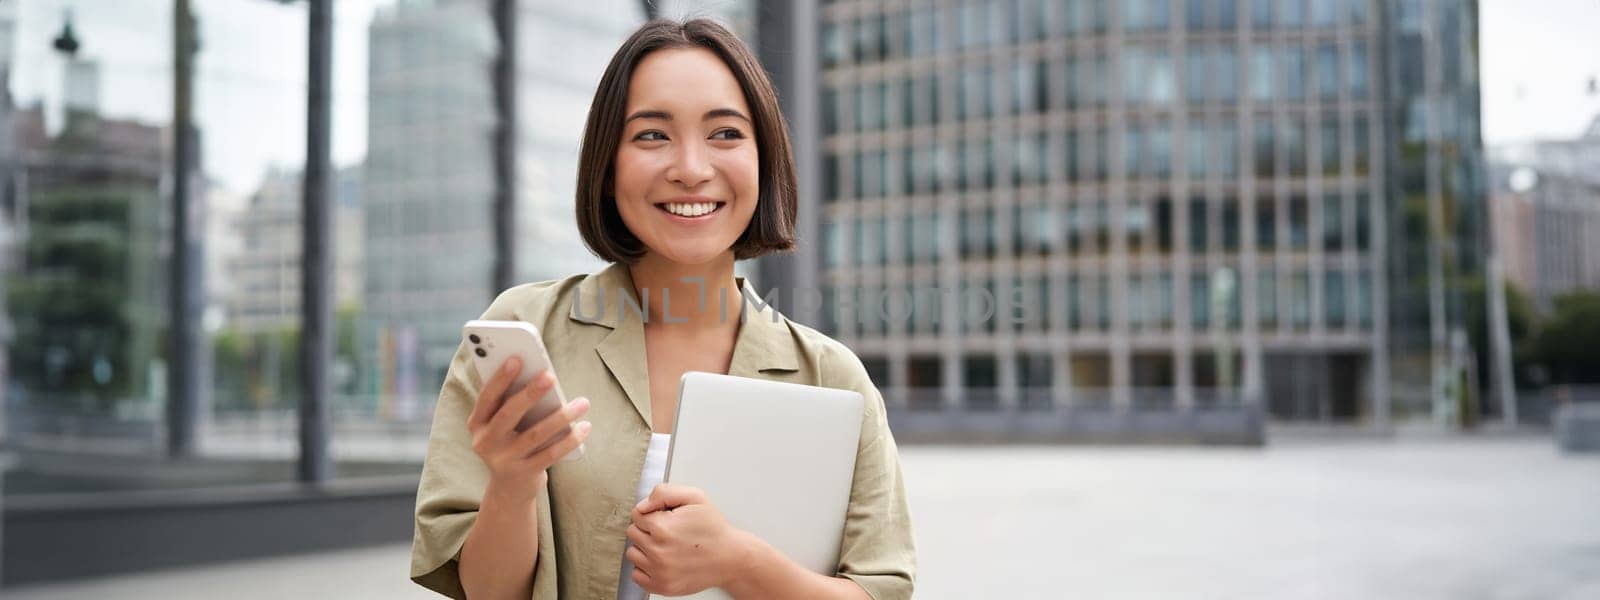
<point>1442,517</point>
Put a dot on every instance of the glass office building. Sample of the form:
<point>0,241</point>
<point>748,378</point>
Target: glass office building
<point>1161,206</point>
<point>430,180</point>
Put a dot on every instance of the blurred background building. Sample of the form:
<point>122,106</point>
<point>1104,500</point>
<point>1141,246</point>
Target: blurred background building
<point>429,184</point>
<point>1546,214</point>
<point>1194,204</point>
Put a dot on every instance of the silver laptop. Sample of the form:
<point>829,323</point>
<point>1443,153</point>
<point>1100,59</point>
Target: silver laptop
<point>777,458</point>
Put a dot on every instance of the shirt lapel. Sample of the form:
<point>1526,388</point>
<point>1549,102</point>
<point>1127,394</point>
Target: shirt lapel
<point>608,299</point>
<point>763,344</point>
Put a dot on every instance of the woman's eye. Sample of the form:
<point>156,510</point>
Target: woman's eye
<point>649,136</point>
<point>728,134</point>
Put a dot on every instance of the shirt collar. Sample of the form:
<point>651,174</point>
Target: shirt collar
<point>764,342</point>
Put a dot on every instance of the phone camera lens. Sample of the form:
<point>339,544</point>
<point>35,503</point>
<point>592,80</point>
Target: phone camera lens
<point>474,338</point>
<point>481,353</point>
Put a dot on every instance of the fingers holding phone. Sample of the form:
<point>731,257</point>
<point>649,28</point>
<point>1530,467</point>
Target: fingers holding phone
<point>519,458</point>
<point>521,423</point>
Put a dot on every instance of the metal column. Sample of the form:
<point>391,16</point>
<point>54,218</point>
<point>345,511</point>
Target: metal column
<point>316,338</point>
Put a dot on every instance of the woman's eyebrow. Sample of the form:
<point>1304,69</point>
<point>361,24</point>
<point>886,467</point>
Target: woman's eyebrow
<point>648,114</point>
<point>724,112</point>
<point>666,116</point>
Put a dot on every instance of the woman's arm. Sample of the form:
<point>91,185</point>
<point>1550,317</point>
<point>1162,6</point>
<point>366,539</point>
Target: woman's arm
<point>496,561</point>
<point>770,574</point>
<point>501,549</point>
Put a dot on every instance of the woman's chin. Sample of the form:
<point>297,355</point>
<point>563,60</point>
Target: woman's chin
<point>693,254</point>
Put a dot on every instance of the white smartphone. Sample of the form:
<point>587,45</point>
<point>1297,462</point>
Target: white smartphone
<point>492,342</point>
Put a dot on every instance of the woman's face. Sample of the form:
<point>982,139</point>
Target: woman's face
<point>687,175</point>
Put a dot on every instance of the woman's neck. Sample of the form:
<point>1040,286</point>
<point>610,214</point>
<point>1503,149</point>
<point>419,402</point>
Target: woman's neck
<point>702,296</point>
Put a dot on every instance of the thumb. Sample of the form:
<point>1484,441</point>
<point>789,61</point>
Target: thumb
<point>668,496</point>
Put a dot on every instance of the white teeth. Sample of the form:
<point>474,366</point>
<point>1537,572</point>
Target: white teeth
<point>691,209</point>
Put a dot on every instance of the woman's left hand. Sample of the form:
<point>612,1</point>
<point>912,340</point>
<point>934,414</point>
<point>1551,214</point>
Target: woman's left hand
<point>682,544</point>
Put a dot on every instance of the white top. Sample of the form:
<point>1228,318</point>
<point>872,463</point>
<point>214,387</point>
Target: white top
<point>655,467</point>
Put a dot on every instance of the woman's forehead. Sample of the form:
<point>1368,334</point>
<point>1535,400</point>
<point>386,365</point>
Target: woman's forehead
<point>690,81</point>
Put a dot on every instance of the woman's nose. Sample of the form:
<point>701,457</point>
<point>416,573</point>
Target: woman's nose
<point>691,166</point>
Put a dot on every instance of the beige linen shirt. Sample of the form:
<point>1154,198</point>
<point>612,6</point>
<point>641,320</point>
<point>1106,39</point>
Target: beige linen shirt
<point>596,342</point>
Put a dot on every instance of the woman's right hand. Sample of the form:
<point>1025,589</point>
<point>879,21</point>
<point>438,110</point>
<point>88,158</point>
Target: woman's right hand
<point>516,472</point>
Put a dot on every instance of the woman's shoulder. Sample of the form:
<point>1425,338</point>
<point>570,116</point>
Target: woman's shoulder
<point>836,364</point>
<point>534,302</point>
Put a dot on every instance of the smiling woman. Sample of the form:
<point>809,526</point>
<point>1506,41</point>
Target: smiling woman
<point>685,169</point>
<point>649,144</point>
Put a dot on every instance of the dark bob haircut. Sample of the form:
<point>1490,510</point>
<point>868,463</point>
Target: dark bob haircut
<point>771,229</point>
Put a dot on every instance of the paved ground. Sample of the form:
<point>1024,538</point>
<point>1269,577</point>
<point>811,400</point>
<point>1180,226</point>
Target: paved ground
<point>1418,519</point>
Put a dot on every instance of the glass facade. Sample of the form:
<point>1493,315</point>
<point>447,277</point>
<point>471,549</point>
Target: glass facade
<point>1198,175</point>
<point>86,231</point>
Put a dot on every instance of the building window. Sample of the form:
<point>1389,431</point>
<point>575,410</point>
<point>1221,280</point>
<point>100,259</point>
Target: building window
<point>836,242</point>
<point>1072,304</point>
<point>831,181</point>
<point>1300,300</point>
<point>1159,155</point>
<point>1362,144</point>
<point>1324,13</point>
<point>1074,78</point>
<point>1363,308</point>
<point>1225,73</point>
<point>1231,224</point>
<point>1102,301</point>
<point>1133,145</point>
<point>1332,223</point>
<point>828,312</point>
<point>1294,143</point>
<point>977,232</point>
<point>835,43</point>
<point>1267,299</point>
<point>1200,150</point>
<point>1291,13</point>
<point>1327,70</point>
<point>1163,224</point>
<point>1196,77</point>
<point>1356,11</point>
<point>1292,58</point>
<point>924,375</point>
<point>1043,228</point>
<point>978,378</point>
<point>1195,14</point>
<point>1200,301</point>
<point>1225,152</point>
<point>1261,14</point>
<point>1163,301</point>
<point>1199,224</point>
<point>927,308</point>
<point>1077,226</point>
<point>830,111</point>
<point>1264,147</point>
<point>1266,225</point>
<point>1329,145</point>
<point>1333,299</point>
<point>873,240</point>
<point>1298,226</point>
<point>1136,303</point>
<point>1356,75</point>
<point>1035,374</point>
<point>1363,225</point>
<point>1161,87</point>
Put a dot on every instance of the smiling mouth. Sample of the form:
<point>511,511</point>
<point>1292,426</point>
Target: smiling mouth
<point>691,210</point>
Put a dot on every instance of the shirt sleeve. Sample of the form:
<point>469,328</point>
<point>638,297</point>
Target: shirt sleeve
<point>451,490</point>
<point>878,551</point>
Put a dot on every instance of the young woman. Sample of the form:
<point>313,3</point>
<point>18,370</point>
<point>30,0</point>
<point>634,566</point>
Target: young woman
<point>685,168</point>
